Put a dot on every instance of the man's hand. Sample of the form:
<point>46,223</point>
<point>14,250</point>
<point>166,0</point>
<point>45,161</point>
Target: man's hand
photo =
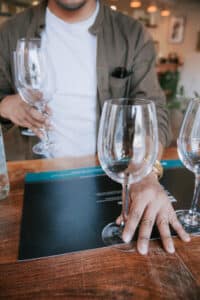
<point>150,204</point>
<point>20,113</point>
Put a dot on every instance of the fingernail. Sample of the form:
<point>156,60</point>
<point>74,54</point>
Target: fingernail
<point>170,248</point>
<point>187,238</point>
<point>142,248</point>
<point>126,237</point>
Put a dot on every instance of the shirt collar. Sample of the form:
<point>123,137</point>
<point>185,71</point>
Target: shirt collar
<point>38,21</point>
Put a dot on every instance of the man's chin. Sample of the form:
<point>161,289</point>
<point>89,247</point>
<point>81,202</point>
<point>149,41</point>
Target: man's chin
<point>70,6</point>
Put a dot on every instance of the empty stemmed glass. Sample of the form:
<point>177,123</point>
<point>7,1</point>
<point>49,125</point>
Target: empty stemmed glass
<point>24,131</point>
<point>36,82</point>
<point>127,149</point>
<point>189,152</point>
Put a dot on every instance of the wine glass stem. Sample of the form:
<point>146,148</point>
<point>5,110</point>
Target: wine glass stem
<point>45,131</point>
<point>195,199</point>
<point>45,138</point>
<point>125,201</point>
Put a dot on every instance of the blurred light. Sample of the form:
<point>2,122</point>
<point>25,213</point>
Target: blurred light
<point>113,7</point>
<point>165,13</point>
<point>135,4</point>
<point>35,2</point>
<point>152,9</point>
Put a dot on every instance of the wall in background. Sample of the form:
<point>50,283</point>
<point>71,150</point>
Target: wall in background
<point>190,9</point>
<point>190,71</point>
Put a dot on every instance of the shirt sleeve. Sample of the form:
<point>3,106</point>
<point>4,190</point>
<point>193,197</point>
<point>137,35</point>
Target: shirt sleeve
<point>144,83</point>
<point>5,76</point>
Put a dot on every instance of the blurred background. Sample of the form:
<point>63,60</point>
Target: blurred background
<point>175,29</point>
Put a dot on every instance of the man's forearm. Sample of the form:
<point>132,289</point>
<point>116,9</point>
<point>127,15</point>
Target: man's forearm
<point>2,110</point>
<point>5,122</point>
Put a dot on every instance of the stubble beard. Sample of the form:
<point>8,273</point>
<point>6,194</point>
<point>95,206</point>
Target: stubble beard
<point>70,6</point>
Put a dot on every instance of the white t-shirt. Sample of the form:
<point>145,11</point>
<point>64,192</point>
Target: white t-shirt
<point>72,50</point>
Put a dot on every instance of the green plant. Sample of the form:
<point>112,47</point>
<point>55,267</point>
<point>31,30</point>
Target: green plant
<point>175,104</point>
<point>179,100</point>
<point>169,82</point>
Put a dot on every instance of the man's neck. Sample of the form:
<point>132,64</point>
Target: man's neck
<point>72,16</point>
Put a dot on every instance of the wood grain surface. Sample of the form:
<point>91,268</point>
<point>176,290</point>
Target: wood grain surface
<point>105,273</point>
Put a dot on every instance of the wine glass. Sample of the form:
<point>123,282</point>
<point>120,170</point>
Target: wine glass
<point>189,152</point>
<point>36,82</point>
<point>127,149</point>
<point>24,131</point>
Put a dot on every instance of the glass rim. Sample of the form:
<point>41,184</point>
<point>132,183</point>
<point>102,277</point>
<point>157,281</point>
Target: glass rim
<point>29,39</point>
<point>136,101</point>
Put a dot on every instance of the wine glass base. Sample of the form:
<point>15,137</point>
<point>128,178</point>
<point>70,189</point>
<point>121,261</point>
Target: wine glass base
<point>190,222</point>
<point>42,149</point>
<point>27,132</point>
<point>112,236</point>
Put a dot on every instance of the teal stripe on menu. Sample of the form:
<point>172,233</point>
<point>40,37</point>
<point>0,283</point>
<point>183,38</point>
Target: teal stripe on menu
<point>63,174</point>
<point>83,172</point>
<point>175,163</point>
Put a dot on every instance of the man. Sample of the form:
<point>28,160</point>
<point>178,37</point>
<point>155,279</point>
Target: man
<point>118,61</point>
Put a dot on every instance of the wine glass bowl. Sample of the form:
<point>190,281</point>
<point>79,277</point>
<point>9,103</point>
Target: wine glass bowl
<point>188,145</point>
<point>35,81</point>
<point>21,91</point>
<point>127,149</point>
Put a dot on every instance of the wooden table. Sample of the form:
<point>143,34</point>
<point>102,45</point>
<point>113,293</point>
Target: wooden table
<point>104,273</point>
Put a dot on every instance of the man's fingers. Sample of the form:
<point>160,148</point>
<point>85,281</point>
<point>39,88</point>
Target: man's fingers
<point>27,121</point>
<point>38,132</point>
<point>179,228</point>
<point>165,234</point>
<point>27,124</point>
<point>36,119</point>
<point>22,114</point>
<point>48,110</point>
<point>134,216</point>
<point>24,124</point>
<point>119,220</point>
<point>145,230</point>
<point>28,117</point>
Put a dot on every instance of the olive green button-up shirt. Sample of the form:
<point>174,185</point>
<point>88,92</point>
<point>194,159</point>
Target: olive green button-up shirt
<point>121,42</point>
